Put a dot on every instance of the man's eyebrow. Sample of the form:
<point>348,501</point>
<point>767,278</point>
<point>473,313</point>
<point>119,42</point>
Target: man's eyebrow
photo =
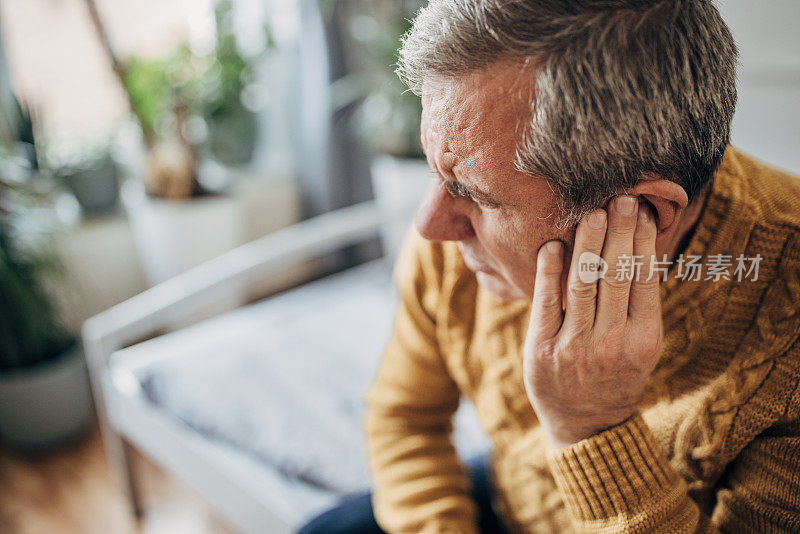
<point>481,195</point>
<point>474,192</point>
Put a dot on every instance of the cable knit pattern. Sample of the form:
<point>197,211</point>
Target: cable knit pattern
<point>715,445</point>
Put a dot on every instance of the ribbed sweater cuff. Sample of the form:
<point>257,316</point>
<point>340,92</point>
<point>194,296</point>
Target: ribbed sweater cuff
<point>449,527</point>
<point>614,472</point>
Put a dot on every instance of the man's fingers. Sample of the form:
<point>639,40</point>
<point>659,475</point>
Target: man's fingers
<point>615,286</point>
<point>546,313</point>
<point>584,271</point>
<point>645,300</point>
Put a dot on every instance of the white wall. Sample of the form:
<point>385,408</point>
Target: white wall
<point>767,120</point>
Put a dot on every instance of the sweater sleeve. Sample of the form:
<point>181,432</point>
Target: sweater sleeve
<point>620,481</point>
<point>420,485</point>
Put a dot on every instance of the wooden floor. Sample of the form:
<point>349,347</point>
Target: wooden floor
<point>73,492</point>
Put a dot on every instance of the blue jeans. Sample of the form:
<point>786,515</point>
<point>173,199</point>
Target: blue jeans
<point>353,514</point>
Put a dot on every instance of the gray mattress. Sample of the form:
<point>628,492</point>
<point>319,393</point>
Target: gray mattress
<point>288,387</point>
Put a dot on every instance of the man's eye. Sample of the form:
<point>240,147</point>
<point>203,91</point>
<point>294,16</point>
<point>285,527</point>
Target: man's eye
<point>456,189</point>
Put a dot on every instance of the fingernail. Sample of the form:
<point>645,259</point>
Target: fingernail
<point>644,213</point>
<point>597,219</point>
<point>626,204</point>
<point>554,247</point>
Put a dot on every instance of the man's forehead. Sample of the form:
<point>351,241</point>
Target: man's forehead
<point>476,106</point>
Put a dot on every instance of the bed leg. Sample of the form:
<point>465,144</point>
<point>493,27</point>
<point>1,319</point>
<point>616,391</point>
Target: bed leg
<point>131,486</point>
<point>120,461</point>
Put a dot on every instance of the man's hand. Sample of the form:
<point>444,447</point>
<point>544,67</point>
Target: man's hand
<point>585,366</point>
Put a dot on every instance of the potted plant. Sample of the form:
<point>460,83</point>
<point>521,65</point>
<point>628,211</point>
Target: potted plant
<point>91,174</point>
<point>190,110</point>
<point>232,126</point>
<point>176,223</point>
<point>44,389</point>
<point>388,119</point>
<point>389,115</point>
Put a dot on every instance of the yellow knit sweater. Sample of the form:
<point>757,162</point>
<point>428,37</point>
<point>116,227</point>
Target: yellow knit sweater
<point>715,445</point>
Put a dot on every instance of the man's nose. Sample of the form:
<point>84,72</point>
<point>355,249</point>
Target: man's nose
<point>440,219</point>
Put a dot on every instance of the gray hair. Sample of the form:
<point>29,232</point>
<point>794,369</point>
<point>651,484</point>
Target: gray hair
<point>620,88</point>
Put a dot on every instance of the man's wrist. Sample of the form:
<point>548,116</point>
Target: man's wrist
<point>566,435</point>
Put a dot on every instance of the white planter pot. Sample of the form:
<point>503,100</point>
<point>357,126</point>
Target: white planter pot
<point>47,404</point>
<point>399,184</point>
<point>174,236</point>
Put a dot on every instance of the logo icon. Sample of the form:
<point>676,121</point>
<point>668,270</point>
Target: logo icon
<point>591,267</point>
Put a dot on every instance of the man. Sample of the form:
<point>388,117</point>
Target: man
<point>611,284</point>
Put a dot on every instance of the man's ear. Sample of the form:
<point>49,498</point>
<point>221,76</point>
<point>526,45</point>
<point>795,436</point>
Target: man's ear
<point>667,201</point>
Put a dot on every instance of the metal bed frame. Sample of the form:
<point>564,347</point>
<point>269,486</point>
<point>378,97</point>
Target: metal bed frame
<point>250,501</point>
